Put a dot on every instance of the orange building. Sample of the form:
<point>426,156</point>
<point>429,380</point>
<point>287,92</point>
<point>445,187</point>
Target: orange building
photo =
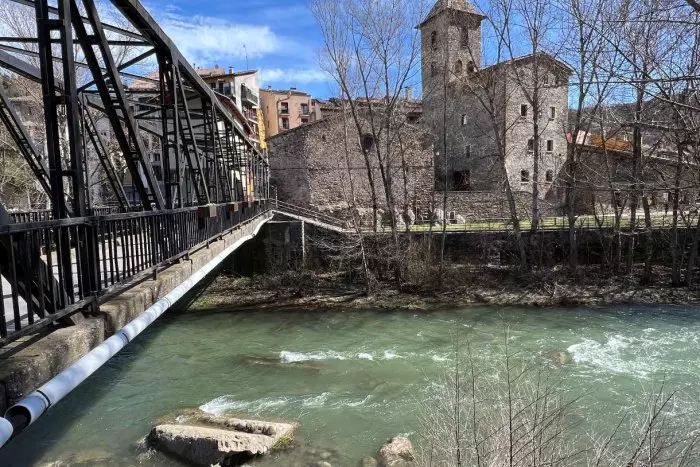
<point>285,110</point>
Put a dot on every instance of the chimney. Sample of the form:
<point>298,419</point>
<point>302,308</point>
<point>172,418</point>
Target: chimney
<point>230,70</point>
<point>408,93</point>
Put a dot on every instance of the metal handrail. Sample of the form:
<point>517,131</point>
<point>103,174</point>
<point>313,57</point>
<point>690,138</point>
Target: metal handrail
<point>316,215</point>
<point>59,267</point>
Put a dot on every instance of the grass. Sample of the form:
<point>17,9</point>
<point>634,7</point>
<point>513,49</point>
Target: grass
<point>549,223</point>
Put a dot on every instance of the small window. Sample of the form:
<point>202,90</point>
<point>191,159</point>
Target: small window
<point>304,121</point>
<point>464,119</point>
<point>552,113</point>
<point>550,145</point>
<point>523,110</point>
<point>285,107</point>
<point>465,37</point>
<point>285,124</point>
<point>458,67</point>
<point>470,67</point>
<point>549,176</point>
<point>433,40</point>
<point>433,69</point>
<point>367,142</point>
<point>546,79</point>
<point>531,145</point>
<point>462,180</point>
<point>468,151</point>
<point>525,176</point>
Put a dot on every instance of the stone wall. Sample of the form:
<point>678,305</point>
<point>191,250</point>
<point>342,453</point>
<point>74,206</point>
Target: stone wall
<point>605,177</point>
<point>322,166</point>
<point>475,205</point>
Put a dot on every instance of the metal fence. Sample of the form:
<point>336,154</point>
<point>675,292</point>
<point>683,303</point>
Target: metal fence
<point>50,269</point>
<point>311,214</point>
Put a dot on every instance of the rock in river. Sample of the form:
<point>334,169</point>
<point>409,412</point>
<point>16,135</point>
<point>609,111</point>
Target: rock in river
<point>398,453</point>
<point>207,440</point>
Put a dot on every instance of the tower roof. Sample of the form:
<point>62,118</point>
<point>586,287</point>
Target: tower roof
<point>457,5</point>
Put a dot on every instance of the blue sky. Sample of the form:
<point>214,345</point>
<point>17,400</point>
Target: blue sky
<point>280,37</point>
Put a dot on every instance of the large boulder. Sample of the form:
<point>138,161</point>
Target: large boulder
<point>205,439</point>
<point>398,453</point>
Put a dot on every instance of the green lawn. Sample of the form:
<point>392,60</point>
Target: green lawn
<point>549,223</point>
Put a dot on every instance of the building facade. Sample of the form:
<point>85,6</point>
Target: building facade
<point>483,118</point>
<point>321,165</point>
<point>285,110</point>
<point>242,88</point>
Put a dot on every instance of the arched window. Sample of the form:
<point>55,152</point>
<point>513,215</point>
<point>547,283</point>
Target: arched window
<point>367,142</point>
<point>433,40</point>
<point>458,67</point>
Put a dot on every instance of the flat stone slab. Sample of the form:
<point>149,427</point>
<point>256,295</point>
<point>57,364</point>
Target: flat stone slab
<point>204,439</point>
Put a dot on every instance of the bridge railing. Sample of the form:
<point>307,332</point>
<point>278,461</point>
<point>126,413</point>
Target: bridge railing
<point>52,269</point>
<point>310,214</point>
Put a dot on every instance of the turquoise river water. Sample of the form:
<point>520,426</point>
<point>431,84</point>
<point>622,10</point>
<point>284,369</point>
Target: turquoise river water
<point>353,379</point>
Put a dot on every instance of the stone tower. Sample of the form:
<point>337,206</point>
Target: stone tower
<point>450,43</point>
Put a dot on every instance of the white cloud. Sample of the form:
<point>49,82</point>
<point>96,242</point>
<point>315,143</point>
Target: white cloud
<point>294,76</point>
<point>208,40</point>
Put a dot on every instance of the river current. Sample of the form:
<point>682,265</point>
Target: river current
<point>353,379</point>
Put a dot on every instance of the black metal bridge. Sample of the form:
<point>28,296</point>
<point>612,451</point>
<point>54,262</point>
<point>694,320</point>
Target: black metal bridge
<point>113,96</point>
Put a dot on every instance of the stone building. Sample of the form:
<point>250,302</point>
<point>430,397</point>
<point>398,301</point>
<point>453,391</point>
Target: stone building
<point>487,114</point>
<point>606,175</point>
<point>321,165</point>
<point>285,110</point>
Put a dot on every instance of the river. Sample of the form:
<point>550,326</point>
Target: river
<point>353,379</point>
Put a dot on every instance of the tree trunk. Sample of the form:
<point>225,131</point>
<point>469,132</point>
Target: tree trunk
<point>675,261</point>
<point>692,259</point>
<point>648,265</point>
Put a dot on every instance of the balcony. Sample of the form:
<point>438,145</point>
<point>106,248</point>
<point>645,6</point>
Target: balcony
<point>249,96</point>
<point>251,114</point>
<point>284,110</point>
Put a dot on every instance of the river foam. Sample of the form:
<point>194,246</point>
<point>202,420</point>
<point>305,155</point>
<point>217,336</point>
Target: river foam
<point>287,356</point>
<point>639,356</point>
<point>229,403</point>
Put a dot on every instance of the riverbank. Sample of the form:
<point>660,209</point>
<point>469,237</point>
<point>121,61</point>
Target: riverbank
<point>463,287</point>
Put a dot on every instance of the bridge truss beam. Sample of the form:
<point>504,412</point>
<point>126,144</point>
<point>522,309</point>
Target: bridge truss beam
<point>122,106</point>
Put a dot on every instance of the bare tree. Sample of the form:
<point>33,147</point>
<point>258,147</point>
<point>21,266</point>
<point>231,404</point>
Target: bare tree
<point>372,51</point>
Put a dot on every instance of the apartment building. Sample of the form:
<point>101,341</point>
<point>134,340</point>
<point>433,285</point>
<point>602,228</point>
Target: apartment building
<point>285,110</point>
<point>242,88</point>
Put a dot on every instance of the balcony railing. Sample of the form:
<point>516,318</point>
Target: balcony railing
<point>284,110</point>
<point>249,96</point>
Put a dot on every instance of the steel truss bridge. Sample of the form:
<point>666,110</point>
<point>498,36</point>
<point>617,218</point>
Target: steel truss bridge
<point>212,178</point>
